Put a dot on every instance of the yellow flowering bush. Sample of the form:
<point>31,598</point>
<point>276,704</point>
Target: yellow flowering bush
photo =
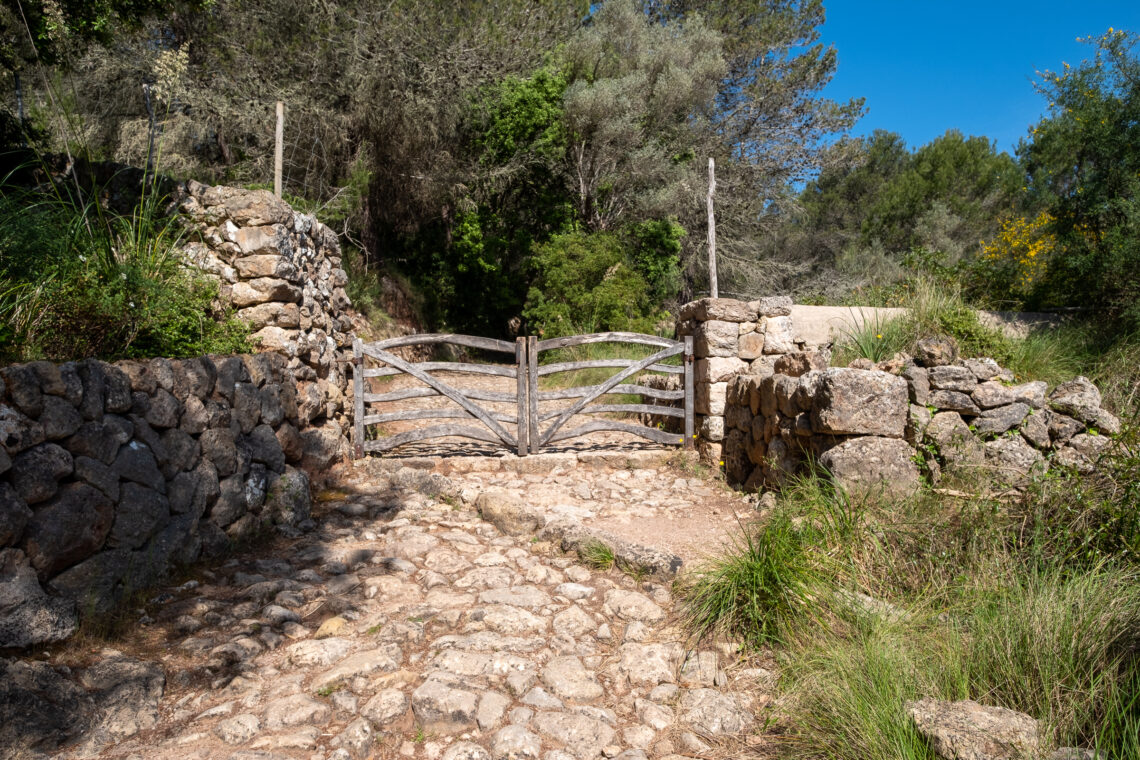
<point>1019,255</point>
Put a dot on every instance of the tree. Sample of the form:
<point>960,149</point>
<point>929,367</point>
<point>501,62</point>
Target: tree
<point>1083,162</point>
<point>638,97</point>
<point>771,129</point>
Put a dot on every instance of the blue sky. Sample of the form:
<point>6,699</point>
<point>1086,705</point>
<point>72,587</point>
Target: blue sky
<point>925,67</point>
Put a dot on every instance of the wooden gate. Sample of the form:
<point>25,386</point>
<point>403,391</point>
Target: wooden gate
<point>522,431</point>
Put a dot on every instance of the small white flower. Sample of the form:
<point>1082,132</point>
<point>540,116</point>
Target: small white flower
<point>122,275</point>
<point>82,257</point>
<point>131,304</point>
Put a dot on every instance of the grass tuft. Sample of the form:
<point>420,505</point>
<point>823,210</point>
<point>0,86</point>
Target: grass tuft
<point>597,555</point>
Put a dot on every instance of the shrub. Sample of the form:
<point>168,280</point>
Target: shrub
<point>584,283</point>
<point>77,280</point>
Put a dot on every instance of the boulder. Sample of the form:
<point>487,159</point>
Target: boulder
<point>14,516</point>
<point>18,432</point>
<point>983,368</point>
<point>1077,398</point>
<point>873,465</point>
<point>136,463</point>
<point>800,363</point>
<point>36,473</point>
<point>24,390</point>
<point>992,393</point>
<point>320,447</point>
<point>288,500</point>
<point>58,418</point>
<point>140,513</point>
<point>514,518</point>
<point>68,529</point>
<point>1035,428</point>
<point>937,352</point>
<point>100,440</point>
<point>1010,460</point>
<point>969,731</point>
<point>954,401</point>
<point>918,384</point>
<point>860,402</point>
<point>956,443</point>
<point>28,616</point>
<point>1031,393</point>
<point>1000,419</point>
<point>952,378</point>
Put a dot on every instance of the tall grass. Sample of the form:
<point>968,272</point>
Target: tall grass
<point>993,605</point>
<point>1051,354</point>
<point>79,280</point>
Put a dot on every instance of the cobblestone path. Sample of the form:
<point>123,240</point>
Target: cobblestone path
<point>406,626</point>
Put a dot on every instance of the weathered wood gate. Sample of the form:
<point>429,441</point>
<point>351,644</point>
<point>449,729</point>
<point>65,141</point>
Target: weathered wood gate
<point>522,431</point>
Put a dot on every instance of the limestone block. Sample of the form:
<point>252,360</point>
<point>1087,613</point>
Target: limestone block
<point>873,465</point>
<point>751,346</point>
<point>764,366</point>
<point>724,309</point>
<point>773,306</point>
<point>266,265</point>
<point>712,428</point>
<point>956,443</point>
<point>716,369</point>
<point>778,335</point>
<point>860,402</point>
<point>716,338</point>
<point>711,397</point>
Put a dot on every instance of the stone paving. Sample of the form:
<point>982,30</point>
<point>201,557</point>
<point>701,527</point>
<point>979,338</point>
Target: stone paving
<point>405,626</point>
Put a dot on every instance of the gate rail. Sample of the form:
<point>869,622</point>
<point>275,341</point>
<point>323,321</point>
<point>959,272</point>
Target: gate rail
<point>528,436</point>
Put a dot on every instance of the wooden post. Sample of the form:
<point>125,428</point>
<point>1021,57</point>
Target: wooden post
<point>149,132</point>
<point>690,398</point>
<point>521,431</point>
<point>358,398</point>
<point>532,390</point>
<point>713,292</point>
<point>279,149</point>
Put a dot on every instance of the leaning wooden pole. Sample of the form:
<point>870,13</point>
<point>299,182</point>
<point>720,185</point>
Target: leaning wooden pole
<point>712,231</point>
<point>279,149</point>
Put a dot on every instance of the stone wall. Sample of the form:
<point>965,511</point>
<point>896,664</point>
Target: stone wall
<point>282,273</point>
<point>110,474</point>
<point>767,407</point>
<point>731,338</point>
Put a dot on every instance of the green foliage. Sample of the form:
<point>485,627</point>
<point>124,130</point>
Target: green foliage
<point>1083,161</point>
<point>974,600</point>
<point>583,282</point>
<point>78,281</point>
<point>762,578</point>
<point>597,555</point>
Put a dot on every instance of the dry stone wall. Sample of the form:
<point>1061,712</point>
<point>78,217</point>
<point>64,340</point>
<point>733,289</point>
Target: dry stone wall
<point>110,474</point>
<point>767,406</point>
<point>282,273</point>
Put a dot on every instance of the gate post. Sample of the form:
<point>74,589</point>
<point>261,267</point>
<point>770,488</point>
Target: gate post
<point>357,398</point>
<point>532,390</point>
<point>523,427</point>
<point>690,441</point>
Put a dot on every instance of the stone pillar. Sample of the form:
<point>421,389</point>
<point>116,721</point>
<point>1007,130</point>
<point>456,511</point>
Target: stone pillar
<point>731,338</point>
